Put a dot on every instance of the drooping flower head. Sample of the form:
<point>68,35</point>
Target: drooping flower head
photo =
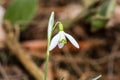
<point>60,39</point>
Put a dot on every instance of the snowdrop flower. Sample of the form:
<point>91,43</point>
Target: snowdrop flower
<point>60,39</point>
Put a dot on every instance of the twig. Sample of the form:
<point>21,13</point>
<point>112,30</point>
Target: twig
<point>74,65</point>
<point>15,48</point>
<point>3,72</point>
<point>112,58</point>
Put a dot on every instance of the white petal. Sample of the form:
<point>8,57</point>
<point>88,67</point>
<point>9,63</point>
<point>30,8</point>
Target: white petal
<point>50,24</point>
<point>72,40</point>
<point>60,45</point>
<point>54,41</point>
<point>62,35</point>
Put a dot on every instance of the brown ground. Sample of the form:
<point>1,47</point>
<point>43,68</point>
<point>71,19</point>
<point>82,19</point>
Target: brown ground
<point>98,53</point>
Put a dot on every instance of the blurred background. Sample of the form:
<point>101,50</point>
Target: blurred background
<point>95,24</point>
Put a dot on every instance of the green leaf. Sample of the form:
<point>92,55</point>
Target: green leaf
<point>98,24</point>
<point>104,13</point>
<point>111,8</point>
<point>107,8</point>
<point>21,12</point>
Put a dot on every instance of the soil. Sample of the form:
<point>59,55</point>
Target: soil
<point>98,53</point>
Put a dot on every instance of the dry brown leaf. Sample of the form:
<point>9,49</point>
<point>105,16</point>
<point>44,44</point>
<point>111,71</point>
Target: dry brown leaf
<point>63,74</point>
<point>35,45</point>
<point>67,14</point>
<point>116,17</point>
<point>38,47</point>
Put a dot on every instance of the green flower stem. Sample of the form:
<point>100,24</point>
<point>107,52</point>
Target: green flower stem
<point>48,53</point>
<point>47,59</point>
<point>57,23</point>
